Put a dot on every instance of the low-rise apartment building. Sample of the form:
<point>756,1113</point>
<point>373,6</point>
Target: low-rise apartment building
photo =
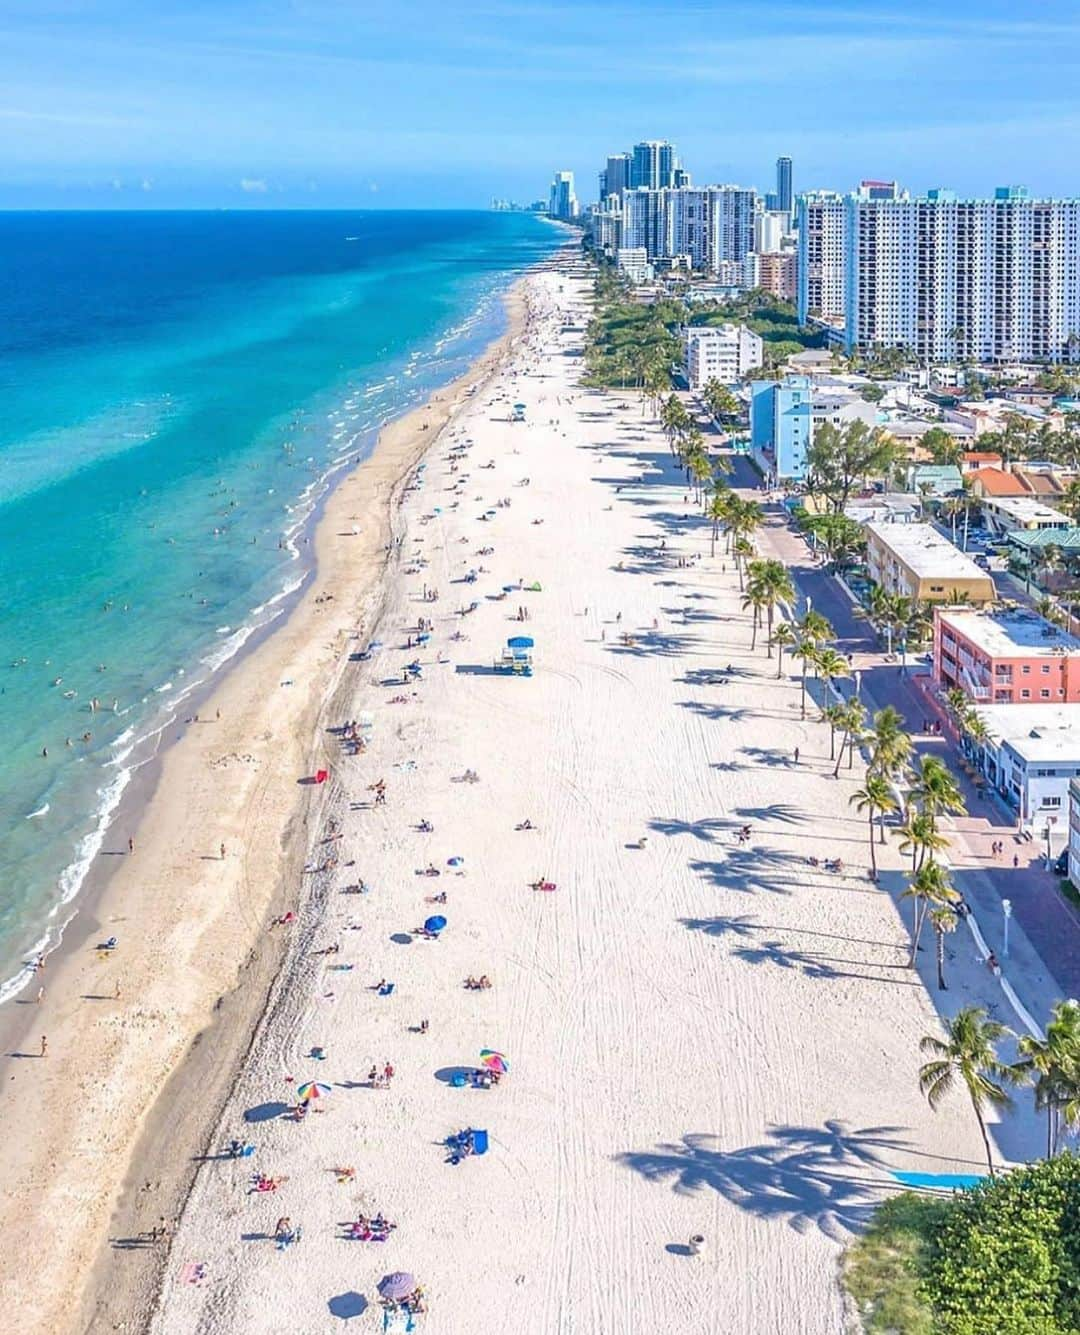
<point>1005,657</point>
<point>916,561</point>
<point>725,352</point>
<point>784,414</point>
<point>1032,759</point>
<point>1010,514</point>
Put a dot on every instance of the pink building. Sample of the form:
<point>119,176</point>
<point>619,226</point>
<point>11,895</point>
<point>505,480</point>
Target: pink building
<point>1005,657</point>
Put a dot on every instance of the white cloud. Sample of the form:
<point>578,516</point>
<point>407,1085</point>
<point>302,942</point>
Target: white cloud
<point>254,185</point>
<point>116,183</point>
<point>146,184</point>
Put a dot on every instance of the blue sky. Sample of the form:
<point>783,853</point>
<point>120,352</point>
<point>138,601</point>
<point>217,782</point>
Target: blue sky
<point>414,103</point>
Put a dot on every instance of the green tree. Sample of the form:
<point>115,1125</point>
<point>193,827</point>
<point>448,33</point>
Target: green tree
<point>1052,1064</point>
<point>876,799</point>
<point>943,921</point>
<point>784,638</point>
<point>928,889</point>
<point>838,458</point>
<point>851,727</point>
<point>968,1056</point>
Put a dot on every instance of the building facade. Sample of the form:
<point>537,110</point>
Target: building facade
<point>914,560</point>
<point>784,196</point>
<point>775,273</point>
<point>721,352</point>
<point>652,165</point>
<point>821,225</point>
<point>563,202</point>
<point>713,225</point>
<point>991,281</point>
<point>1005,657</point>
<point>615,178</point>
<point>784,414</point>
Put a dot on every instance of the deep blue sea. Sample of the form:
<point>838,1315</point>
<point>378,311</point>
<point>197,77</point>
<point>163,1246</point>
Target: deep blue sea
<point>176,391</point>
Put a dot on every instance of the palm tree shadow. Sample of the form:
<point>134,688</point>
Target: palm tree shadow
<point>827,1178</point>
<point>707,829</point>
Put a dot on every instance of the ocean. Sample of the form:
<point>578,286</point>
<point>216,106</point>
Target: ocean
<point>177,393</point>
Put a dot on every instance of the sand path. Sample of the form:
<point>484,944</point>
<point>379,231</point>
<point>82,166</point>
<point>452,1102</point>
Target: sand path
<point>704,1038</point>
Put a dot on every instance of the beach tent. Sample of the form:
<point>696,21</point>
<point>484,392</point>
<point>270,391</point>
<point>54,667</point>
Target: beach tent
<point>519,413</point>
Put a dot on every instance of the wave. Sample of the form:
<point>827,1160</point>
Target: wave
<point>41,811</point>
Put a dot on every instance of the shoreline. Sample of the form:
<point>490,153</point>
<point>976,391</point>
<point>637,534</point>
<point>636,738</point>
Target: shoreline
<point>207,963</point>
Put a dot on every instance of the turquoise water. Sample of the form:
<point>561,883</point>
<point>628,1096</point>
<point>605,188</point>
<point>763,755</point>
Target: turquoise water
<point>175,392</point>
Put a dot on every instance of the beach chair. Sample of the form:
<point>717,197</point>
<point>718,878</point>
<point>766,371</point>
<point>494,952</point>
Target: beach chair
<point>386,989</point>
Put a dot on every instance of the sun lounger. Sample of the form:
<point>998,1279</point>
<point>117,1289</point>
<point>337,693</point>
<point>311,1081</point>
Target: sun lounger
<point>480,1142</point>
<point>386,989</point>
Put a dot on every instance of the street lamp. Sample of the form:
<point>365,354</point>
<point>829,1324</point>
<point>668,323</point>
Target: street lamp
<point>1006,908</point>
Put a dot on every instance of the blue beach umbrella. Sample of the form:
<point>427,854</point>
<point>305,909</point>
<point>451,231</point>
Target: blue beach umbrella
<point>519,642</point>
<point>435,924</point>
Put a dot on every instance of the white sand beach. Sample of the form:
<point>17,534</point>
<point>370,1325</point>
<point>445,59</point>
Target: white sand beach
<point>704,1037</point>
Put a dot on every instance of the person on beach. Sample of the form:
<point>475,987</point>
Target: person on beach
<point>221,850</point>
<point>44,1046</point>
<point>131,845</point>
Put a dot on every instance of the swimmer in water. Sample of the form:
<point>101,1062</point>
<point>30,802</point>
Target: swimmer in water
<point>45,752</point>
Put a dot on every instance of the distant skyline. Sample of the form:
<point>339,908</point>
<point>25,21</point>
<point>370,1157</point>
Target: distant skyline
<point>345,103</point>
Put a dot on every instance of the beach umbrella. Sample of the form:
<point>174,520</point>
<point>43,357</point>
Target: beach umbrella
<point>519,642</point>
<point>494,1061</point>
<point>454,862</point>
<point>435,924</point>
<point>398,1284</point>
<point>312,1090</point>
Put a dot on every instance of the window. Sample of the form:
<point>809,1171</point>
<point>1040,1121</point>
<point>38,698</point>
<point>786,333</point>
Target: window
<point>1025,694</point>
<point>1051,802</point>
<point>1026,669</point>
<point>1044,694</point>
<point>1046,669</point>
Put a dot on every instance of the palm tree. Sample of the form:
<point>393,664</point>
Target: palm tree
<point>943,919</point>
<point>1053,1064</point>
<point>783,636</point>
<point>875,798</point>
<point>772,578</point>
<point>810,652</point>
<point>833,715</point>
<point>742,549</point>
<point>918,837</point>
<point>890,745</point>
<point>968,1055</point>
<point>717,510</point>
<point>754,598</point>
<point>830,665</point>
<point>851,727</point>
<point>928,888</point>
<point>935,789</point>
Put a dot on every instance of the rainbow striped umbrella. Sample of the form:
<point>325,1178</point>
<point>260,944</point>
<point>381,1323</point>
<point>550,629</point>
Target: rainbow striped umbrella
<point>312,1090</point>
<point>494,1061</point>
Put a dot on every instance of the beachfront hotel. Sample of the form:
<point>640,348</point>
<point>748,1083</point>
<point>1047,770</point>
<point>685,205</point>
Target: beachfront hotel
<point>987,280</point>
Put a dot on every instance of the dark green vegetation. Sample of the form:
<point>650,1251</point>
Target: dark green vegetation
<point>774,320</point>
<point>1002,1258</point>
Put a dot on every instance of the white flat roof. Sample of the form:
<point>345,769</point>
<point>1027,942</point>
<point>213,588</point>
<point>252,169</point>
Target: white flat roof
<point>925,552</point>
<point>1015,634</point>
<point>1026,507</point>
<point>1035,732</point>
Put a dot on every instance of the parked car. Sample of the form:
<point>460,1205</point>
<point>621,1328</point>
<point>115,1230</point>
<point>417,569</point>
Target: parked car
<point>1061,865</point>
